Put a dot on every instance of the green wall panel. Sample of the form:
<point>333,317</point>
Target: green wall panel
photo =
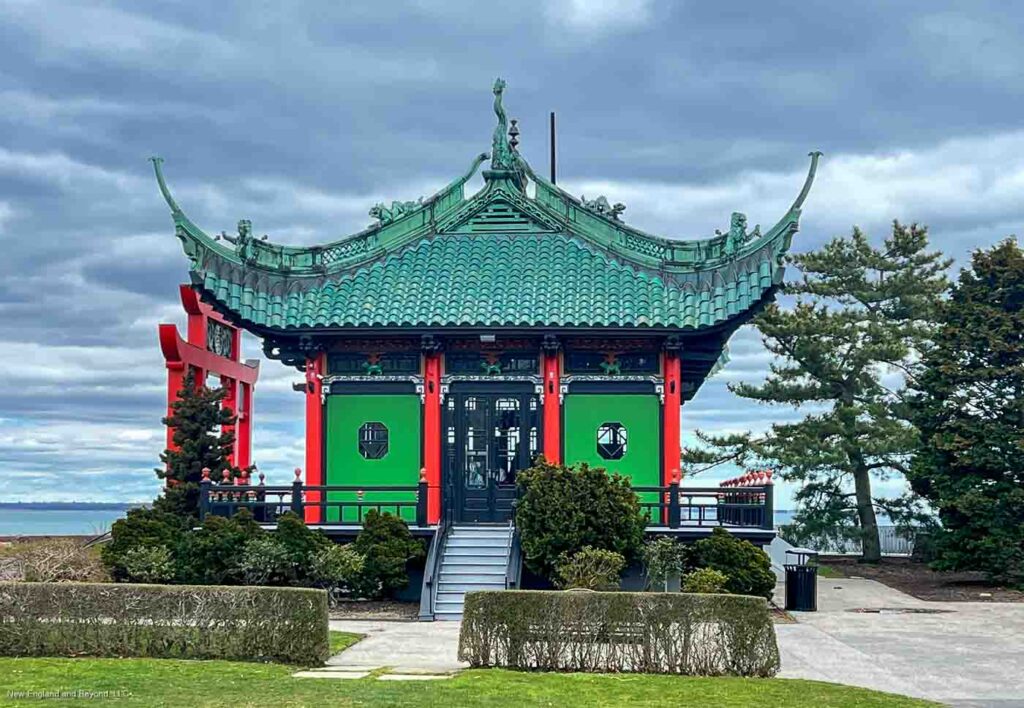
<point>639,413</point>
<point>346,466</point>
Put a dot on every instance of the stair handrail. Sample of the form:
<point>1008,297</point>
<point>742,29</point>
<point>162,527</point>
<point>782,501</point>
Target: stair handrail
<point>435,555</point>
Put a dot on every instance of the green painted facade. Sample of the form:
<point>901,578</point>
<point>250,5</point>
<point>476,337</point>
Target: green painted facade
<point>639,413</point>
<point>346,466</point>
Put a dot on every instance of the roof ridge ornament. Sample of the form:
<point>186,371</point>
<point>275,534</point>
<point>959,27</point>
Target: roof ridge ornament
<point>157,161</point>
<point>814,155</point>
<point>501,152</point>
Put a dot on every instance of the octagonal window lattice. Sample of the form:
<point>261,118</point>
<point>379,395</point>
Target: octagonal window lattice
<point>611,441</point>
<point>373,440</point>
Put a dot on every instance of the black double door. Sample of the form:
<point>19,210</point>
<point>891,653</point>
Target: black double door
<point>490,433</point>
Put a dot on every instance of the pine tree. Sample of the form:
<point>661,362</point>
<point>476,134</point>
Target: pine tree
<point>203,438</point>
<point>971,415</point>
<point>845,351</point>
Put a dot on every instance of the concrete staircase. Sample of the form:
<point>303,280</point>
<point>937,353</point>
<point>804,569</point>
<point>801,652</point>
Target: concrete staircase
<point>475,558</point>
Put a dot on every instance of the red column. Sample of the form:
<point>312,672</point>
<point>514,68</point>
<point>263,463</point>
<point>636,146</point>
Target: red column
<point>552,408</point>
<point>671,428</point>
<point>432,433</point>
<point>243,432</point>
<point>175,380</point>
<point>230,404</point>
<point>314,435</point>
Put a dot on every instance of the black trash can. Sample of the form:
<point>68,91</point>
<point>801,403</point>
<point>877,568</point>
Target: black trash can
<point>802,580</point>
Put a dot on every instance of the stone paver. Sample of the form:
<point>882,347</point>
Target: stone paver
<point>414,677</point>
<point>333,675</point>
<point>405,647</point>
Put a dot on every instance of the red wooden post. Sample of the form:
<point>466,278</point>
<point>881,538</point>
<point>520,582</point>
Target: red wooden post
<point>432,433</point>
<point>314,436</point>
<point>552,405</point>
<point>672,427</point>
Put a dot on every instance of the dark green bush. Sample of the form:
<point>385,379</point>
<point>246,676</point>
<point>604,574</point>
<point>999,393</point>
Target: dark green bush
<point>267,561</point>
<point>748,567</point>
<point>149,564</point>
<point>591,569</point>
<point>141,528</point>
<point>212,554</point>
<point>301,542</point>
<point>337,569</point>
<point>705,580</point>
<point>386,547</point>
<point>696,635</point>
<point>168,621</point>
<point>564,509</point>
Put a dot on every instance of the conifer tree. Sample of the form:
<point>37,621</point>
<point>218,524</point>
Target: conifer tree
<point>203,438</point>
<point>844,352</point>
<point>971,415</point>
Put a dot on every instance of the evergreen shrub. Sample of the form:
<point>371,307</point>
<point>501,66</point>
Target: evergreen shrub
<point>287,625</point>
<point>387,547</point>
<point>705,580</point>
<point>337,569</point>
<point>149,564</point>
<point>674,633</point>
<point>561,510</point>
<point>748,568</point>
<point>591,569</point>
<point>141,528</point>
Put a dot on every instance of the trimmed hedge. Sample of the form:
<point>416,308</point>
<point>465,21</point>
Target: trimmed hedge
<point>675,633</point>
<point>287,625</point>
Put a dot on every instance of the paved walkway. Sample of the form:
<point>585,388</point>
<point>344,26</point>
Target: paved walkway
<point>970,655</point>
<point>424,647</point>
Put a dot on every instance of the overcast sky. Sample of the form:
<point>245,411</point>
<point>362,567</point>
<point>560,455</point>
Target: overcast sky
<point>300,117</point>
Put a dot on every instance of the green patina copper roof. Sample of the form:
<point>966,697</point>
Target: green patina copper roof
<point>500,258</point>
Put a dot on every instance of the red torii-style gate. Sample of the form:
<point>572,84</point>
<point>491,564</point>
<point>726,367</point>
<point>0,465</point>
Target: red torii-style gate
<point>213,347</point>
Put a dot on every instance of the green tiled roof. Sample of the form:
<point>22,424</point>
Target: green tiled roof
<point>498,280</point>
<point>507,256</point>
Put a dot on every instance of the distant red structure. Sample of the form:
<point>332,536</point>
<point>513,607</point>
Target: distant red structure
<point>213,348</point>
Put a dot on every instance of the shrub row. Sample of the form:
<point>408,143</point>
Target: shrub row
<point>182,622</point>
<point>697,635</point>
<point>151,546</point>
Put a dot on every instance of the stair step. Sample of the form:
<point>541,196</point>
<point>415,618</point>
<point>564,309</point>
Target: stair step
<point>492,573</point>
<point>463,588</point>
<point>442,606</point>
<point>448,616</point>
<point>474,551</point>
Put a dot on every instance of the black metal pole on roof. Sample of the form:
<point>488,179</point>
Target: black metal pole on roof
<point>552,147</point>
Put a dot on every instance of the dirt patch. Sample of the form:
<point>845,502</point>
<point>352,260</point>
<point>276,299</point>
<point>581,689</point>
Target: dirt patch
<point>917,579</point>
<point>375,610</point>
<point>780,616</point>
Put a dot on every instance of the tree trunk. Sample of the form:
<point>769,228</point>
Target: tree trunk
<point>871,546</point>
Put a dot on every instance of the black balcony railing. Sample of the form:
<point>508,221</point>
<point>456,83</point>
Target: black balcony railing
<point>675,506</point>
<point>670,506</point>
<point>338,504</point>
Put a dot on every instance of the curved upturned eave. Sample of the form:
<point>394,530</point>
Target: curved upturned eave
<point>631,244</point>
<point>782,230</point>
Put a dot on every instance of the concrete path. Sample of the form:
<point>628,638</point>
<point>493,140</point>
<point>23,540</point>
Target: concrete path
<point>423,647</point>
<point>972,654</point>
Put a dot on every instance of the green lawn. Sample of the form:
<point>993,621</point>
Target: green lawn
<point>827,571</point>
<point>164,682</point>
<point>340,641</point>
